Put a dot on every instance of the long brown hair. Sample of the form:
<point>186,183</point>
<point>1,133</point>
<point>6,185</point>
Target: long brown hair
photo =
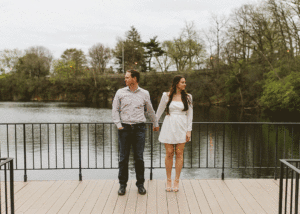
<point>184,96</point>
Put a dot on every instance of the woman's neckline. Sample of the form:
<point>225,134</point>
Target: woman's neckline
<point>176,101</point>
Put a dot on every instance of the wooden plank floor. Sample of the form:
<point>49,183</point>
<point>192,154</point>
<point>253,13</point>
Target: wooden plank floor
<point>194,196</point>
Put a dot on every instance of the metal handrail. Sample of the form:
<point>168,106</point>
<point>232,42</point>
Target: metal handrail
<point>286,164</point>
<point>266,123</point>
<point>8,163</point>
<point>84,132</point>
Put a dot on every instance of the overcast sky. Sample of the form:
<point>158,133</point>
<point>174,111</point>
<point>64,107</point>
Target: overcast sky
<point>61,24</point>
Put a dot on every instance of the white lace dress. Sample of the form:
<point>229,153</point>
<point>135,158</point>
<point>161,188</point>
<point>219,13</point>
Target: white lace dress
<point>175,125</point>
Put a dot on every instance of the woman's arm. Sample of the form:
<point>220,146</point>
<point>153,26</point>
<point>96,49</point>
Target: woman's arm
<point>162,106</point>
<point>189,119</point>
<point>190,114</point>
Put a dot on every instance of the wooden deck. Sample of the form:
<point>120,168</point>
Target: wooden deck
<point>100,196</point>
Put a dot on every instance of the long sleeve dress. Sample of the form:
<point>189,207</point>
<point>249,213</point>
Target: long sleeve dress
<point>175,125</point>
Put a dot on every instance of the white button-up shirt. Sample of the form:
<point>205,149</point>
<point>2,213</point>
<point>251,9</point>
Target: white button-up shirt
<point>130,107</point>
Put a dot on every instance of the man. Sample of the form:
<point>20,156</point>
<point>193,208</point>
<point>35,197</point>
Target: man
<point>129,107</point>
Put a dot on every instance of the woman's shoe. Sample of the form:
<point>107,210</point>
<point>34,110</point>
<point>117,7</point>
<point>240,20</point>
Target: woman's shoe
<point>176,188</point>
<point>169,189</point>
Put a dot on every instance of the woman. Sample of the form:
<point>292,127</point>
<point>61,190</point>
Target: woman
<point>176,128</point>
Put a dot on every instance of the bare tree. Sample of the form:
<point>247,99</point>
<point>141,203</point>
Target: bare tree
<point>40,51</point>
<point>164,61</point>
<point>186,50</point>
<point>219,24</point>
<point>9,59</point>
<point>195,47</point>
<point>99,57</point>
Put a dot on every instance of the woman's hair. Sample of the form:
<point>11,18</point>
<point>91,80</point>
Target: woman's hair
<point>184,97</point>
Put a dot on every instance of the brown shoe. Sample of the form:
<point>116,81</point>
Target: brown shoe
<point>142,190</point>
<point>122,190</point>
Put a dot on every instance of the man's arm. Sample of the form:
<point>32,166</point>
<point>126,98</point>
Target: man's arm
<point>150,111</point>
<point>116,109</point>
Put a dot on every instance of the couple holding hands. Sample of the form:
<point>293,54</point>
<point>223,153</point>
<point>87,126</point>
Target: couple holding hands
<point>129,107</point>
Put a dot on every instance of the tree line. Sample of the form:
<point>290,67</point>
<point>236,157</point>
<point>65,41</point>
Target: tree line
<point>250,58</point>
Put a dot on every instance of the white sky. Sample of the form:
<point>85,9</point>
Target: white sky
<point>61,24</point>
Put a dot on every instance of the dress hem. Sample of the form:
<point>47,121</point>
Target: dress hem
<point>173,143</point>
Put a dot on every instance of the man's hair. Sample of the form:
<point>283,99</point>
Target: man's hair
<point>135,73</point>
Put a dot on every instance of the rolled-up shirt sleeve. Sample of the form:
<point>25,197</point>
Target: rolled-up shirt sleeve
<point>149,110</point>
<point>190,114</point>
<point>116,109</point>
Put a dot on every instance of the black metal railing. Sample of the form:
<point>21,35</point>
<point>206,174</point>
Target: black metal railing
<point>247,146</point>
<point>7,191</point>
<point>289,192</point>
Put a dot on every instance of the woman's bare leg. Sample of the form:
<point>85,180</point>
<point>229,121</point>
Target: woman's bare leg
<point>179,162</point>
<point>169,162</point>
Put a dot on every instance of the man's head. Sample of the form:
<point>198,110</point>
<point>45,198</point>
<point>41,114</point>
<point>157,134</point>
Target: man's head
<point>132,77</point>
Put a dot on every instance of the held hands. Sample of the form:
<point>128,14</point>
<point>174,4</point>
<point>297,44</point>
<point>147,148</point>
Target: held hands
<point>121,128</point>
<point>156,129</point>
<point>188,136</point>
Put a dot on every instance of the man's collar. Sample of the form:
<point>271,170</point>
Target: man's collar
<point>138,88</point>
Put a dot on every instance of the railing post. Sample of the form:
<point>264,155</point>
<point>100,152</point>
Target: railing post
<point>80,175</point>
<point>11,175</point>
<point>281,187</point>
<point>151,139</point>
<point>276,146</point>
<point>25,164</point>
<point>5,187</point>
<point>297,192</point>
<point>223,166</point>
